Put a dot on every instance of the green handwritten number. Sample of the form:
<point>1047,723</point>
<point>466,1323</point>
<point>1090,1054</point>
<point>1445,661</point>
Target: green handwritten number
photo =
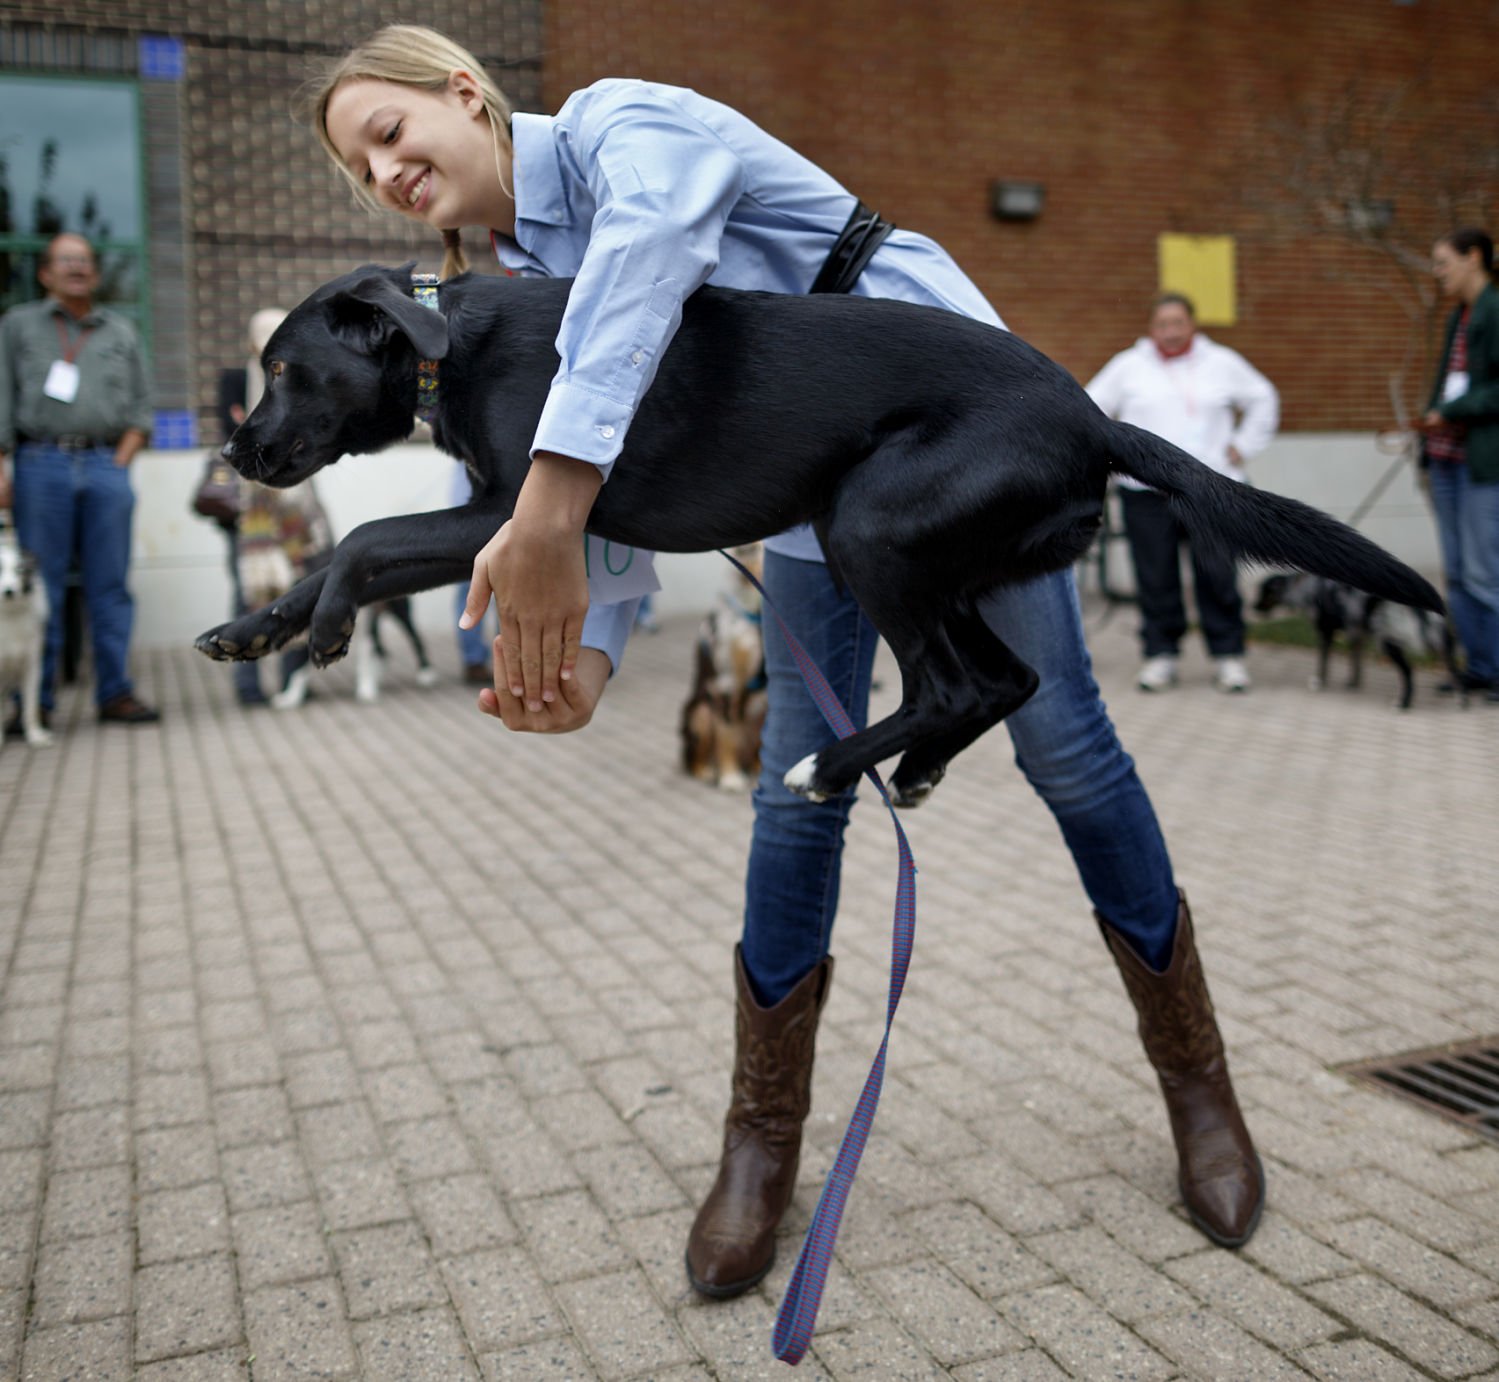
<point>608,563</point>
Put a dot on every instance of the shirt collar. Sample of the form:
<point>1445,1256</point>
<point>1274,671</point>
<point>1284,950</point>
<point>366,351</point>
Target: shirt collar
<point>89,318</point>
<point>539,194</point>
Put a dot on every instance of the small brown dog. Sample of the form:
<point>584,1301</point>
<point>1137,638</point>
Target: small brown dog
<point>723,716</point>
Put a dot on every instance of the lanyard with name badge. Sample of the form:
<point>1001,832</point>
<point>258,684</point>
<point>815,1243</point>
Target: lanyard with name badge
<point>62,376</point>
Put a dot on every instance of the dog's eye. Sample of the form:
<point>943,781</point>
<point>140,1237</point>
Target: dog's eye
<point>277,368</point>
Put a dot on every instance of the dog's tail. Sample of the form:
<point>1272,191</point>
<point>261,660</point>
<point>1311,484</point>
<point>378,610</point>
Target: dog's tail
<point>1261,526</point>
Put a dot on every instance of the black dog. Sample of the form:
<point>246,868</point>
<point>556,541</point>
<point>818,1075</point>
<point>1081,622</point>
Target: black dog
<point>1336,608</point>
<point>936,456</point>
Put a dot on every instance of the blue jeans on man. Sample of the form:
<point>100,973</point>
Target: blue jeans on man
<point>80,501</point>
<point>1064,743</point>
<point>1468,531</point>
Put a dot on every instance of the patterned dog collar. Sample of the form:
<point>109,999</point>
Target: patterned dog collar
<point>424,290</point>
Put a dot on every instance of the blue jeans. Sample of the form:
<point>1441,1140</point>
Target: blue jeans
<point>475,646</point>
<point>80,501</point>
<point>1064,743</point>
<point>1468,530</point>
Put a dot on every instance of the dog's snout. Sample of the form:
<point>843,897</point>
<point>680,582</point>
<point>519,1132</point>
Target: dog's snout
<point>226,451</point>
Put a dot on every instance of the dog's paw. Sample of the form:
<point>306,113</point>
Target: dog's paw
<point>427,677</point>
<point>39,738</point>
<point>244,640</point>
<point>802,779</point>
<point>908,794</point>
<point>908,798</point>
<point>331,632</point>
<point>733,781</point>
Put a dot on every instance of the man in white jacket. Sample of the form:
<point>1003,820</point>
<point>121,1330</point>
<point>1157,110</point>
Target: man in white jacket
<point>1215,405</point>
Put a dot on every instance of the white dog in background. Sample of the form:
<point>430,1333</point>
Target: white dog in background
<point>23,628</point>
<point>369,657</point>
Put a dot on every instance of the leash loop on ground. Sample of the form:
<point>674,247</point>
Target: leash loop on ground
<point>798,1312</point>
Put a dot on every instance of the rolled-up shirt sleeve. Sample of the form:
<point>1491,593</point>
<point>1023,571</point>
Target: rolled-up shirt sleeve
<point>608,628</point>
<point>663,186</point>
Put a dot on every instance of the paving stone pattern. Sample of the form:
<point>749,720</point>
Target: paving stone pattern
<point>373,1042</point>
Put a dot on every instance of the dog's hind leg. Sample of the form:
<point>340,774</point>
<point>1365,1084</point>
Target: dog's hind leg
<point>1396,654</point>
<point>938,692</point>
<point>1006,684</point>
<point>400,609</point>
<point>368,657</point>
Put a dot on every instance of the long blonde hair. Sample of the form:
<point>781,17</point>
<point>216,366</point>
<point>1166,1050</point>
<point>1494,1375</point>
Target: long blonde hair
<point>408,55</point>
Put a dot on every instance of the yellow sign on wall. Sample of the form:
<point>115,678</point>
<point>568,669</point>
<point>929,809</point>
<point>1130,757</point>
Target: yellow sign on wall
<point>1202,267</point>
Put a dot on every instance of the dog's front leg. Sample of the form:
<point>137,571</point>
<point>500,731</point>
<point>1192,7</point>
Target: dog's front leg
<point>396,556</point>
<point>264,630</point>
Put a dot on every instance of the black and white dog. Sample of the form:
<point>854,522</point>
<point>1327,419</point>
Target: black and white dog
<point>1334,608</point>
<point>936,456</point>
<point>23,628</point>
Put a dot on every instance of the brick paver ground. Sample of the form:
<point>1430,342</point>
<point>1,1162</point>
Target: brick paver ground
<point>370,1041</point>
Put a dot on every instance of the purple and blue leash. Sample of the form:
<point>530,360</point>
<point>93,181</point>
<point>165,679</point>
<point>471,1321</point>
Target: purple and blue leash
<point>798,1313</point>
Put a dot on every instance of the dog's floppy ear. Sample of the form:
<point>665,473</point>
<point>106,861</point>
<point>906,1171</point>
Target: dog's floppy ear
<point>374,307</point>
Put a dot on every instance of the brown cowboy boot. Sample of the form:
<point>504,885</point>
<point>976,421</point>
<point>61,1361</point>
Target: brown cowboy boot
<point>1221,1178</point>
<point>732,1244</point>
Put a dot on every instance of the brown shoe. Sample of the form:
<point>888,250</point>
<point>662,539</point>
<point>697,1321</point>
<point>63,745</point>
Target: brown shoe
<point>732,1243</point>
<point>124,709</point>
<point>1221,1178</point>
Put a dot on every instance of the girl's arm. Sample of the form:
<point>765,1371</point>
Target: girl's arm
<point>663,185</point>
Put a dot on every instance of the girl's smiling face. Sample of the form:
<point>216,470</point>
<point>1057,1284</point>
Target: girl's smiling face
<point>425,154</point>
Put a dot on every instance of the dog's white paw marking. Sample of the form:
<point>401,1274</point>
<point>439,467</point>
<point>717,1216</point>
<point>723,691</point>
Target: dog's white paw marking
<point>39,738</point>
<point>801,777</point>
<point>912,797</point>
<point>733,782</point>
<point>428,676</point>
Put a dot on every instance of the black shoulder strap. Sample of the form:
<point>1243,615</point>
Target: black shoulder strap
<point>865,232</point>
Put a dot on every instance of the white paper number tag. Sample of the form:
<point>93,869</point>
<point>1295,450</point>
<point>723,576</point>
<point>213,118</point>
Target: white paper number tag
<point>1456,385</point>
<point>617,572</point>
<point>62,381</point>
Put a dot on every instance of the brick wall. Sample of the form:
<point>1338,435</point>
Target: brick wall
<point>1139,118</point>
<point>245,211</point>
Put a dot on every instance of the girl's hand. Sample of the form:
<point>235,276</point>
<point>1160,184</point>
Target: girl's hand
<point>574,709</point>
<point>534,569</point>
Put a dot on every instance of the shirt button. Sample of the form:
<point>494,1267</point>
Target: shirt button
<point>606,431</point>
<point>637,357</point>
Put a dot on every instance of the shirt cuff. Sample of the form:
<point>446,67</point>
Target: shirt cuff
<point>607,628</point>
<point>584,425</point>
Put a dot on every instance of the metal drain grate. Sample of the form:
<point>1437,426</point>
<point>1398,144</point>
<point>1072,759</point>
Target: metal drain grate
<point>1458,1082</point>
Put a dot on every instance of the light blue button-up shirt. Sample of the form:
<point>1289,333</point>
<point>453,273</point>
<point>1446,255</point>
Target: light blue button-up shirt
<point>642,193</point>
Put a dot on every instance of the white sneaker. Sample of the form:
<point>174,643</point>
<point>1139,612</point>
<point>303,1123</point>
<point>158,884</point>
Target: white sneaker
<point>1158,674</point>
<point>1232,674</point>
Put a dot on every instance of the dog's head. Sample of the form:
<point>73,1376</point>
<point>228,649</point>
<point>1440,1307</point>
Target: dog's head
<point>17,570</point>
<point>340,377</point>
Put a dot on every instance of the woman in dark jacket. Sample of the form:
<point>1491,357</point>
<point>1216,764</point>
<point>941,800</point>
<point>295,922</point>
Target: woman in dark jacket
<point>1461,450</point>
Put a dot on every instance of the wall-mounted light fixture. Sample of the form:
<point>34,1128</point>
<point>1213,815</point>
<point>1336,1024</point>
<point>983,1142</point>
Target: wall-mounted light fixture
<point>1018,201</point>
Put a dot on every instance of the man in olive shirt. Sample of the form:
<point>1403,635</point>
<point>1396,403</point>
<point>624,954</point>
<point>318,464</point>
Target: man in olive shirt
<point>75,407</point>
